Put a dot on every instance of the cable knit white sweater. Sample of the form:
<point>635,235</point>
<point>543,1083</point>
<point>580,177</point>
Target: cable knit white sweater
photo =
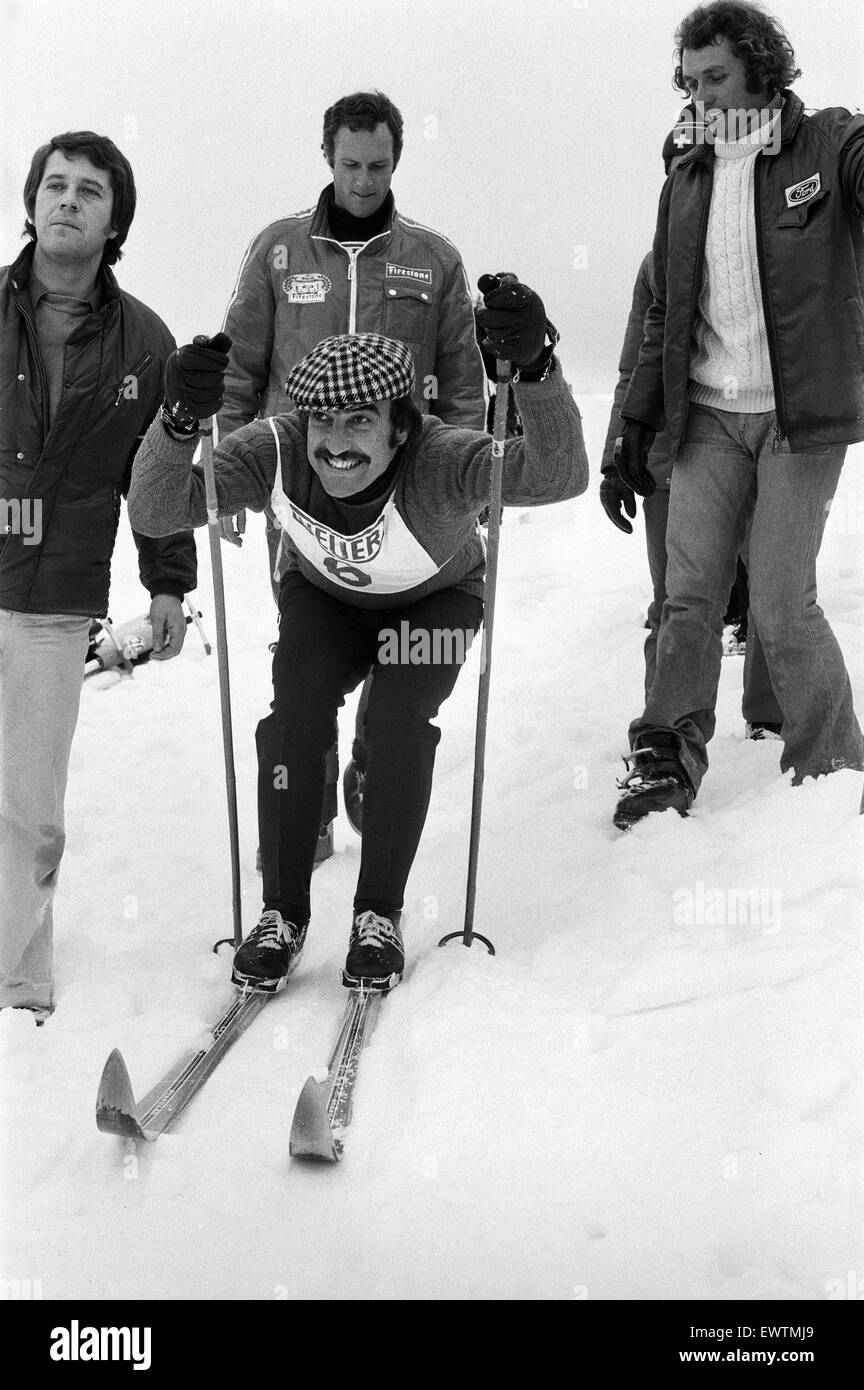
<point>730,367</point>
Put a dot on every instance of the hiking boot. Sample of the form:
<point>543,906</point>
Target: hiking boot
<point>656,782</point>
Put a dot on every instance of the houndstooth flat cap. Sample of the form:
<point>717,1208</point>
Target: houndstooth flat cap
<point>351,369</point>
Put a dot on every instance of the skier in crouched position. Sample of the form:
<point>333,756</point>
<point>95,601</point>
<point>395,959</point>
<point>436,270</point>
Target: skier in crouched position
<point>379,508</point>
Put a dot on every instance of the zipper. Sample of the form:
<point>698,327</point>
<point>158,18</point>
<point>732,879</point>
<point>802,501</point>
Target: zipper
<point>779,403</point>
<point>352,271</point>
<point>352,290</point>
<point>34,345</point>
<point>700,262</point>
<point>134,371</point>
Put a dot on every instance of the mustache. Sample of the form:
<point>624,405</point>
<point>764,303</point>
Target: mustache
<point>324,455</point>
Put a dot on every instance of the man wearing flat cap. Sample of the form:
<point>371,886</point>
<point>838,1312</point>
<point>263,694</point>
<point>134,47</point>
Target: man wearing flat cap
<point>378,506</point>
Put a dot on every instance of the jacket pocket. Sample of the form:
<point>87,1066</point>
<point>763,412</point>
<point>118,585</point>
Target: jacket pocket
<point>127,388</point>
<point>799,216</point>
<point>408,313</point>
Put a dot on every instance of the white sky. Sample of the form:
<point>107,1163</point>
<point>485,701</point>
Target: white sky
<point>531,129</point>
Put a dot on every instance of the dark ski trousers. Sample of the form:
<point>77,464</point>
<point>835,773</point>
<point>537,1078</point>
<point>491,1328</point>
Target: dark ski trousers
<point>326,648</point>
<point>358,750</point>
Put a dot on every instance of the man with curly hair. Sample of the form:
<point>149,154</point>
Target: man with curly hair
<point>753,359</point>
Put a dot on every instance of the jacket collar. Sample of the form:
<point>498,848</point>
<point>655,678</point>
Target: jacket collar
<point>19,277</point>
<point>320,225</point>
<point>790,119</point>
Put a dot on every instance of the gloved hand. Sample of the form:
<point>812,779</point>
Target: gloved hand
<point>514,320</point>
<point>613,494</point>
<point>195,378</point>
<point>233,528</point>
<point>631,456</point>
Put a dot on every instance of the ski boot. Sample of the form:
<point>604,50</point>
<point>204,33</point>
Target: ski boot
<point>735,639</point>
<point>375,957</point>
<point>759,732</point>
<point>353,788</point>
<point>269,954</point>
<point>656,782</point>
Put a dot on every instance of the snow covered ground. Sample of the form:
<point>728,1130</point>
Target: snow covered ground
<point>652,1091</point>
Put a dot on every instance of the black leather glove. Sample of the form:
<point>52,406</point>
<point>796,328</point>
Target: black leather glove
<point>631,456</point>
<point>613,494</point>
<point>514,321</point>
<point>195,379</point>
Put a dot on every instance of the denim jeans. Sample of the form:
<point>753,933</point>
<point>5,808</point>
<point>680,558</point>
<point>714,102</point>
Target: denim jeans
<point>731,473</point>
<point>41,671</point>
<point>759,703</point>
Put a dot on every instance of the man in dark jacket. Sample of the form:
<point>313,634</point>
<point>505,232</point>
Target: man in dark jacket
<point>753,358</point>
<point>762,714</point>
<point>80,383</point>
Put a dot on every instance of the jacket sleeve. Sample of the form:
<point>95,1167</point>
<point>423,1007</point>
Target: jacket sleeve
<point>546,464</point>
<point>249,323</point>
<point>642,297</point>
<point>851,161</point>
<point>168,565</point>
<point>168,493</point>
<point>643,399</point>
<point>459,375</point>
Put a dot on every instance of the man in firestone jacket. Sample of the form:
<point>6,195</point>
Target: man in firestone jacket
<point>80,381</point>
<point>351,264</point>
<point>753,358</point>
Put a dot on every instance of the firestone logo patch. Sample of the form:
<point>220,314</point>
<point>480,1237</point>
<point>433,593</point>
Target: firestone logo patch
<point>307,288</point>
<point>408,272</point>
<point>802,192</point>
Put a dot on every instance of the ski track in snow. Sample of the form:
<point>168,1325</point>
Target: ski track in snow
<point>629,1101</point>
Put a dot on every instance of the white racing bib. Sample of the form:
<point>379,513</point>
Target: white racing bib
<point>383,558</point>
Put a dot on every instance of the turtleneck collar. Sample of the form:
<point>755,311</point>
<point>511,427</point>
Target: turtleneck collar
<point>344,226</point>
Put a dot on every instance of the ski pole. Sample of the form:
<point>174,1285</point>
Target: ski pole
<point>499,433</point>
<point>197,618</point>
<point>206,431</point>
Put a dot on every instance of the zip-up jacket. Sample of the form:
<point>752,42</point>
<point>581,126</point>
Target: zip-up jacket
<point>71,476</point>
<point>297,285</point>
<point>421,536</point>
<point>659,458</point>
<point>808,202</point>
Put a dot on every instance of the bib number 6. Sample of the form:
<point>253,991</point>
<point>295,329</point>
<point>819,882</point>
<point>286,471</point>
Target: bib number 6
<point>347,574</point>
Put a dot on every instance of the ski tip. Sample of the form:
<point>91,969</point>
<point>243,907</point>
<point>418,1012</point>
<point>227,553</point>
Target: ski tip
<point>311,1135</point>
<point>116,1108</point>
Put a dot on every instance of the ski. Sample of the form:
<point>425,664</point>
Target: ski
<point>323,1111</point>
<point>118,1112</point>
